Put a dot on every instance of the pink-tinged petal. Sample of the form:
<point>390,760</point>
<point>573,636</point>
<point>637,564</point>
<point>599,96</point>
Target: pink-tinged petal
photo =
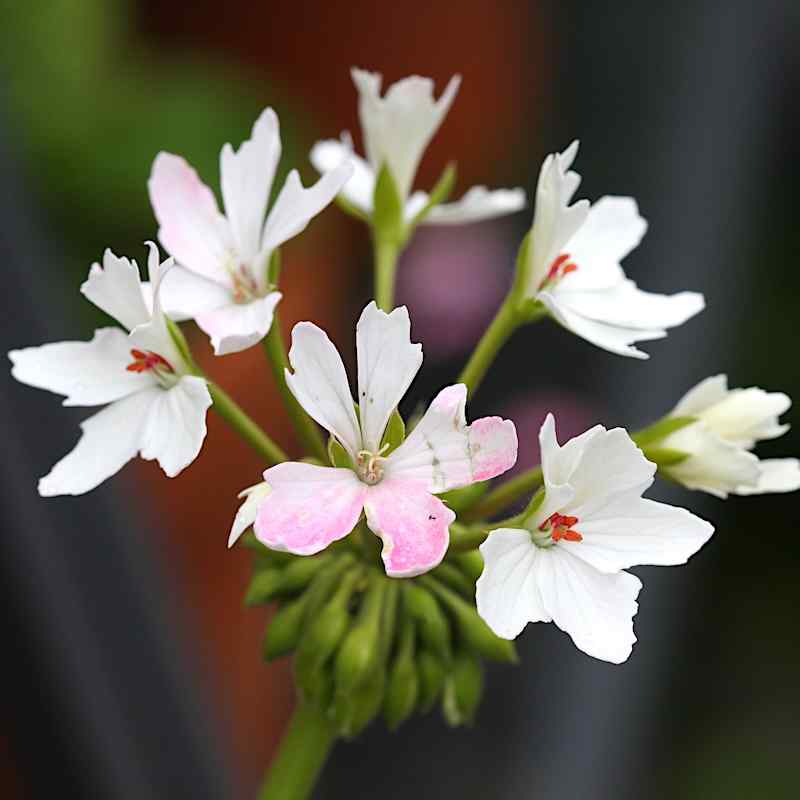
<point>443,452</point>
<point>309,507</point>
<point>192,229</point>
<point>412,523</point>
<point>235,327</point>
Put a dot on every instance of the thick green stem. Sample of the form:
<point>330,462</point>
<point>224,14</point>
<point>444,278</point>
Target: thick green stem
<point>227,408</point>
<point>386,255</point>
<point>303,425</point>
<point>505,494</point>
<point>302,753</point>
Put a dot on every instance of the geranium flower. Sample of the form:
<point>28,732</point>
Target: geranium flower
<point>729,423</point>
<point>156,408</point>
<point>573,265</point>
<point>221,278</point>
<point>564,562</point>
<point>396,129</point>
<point>306,507</point>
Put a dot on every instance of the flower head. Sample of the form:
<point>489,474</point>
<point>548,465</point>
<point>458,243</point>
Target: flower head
<point>728,423</point>
<point>396,129</point>
<point>156,408</point>
<point>221,280</point>
<point>565,562</point>
<point>308,507</point>
<point>573,265</point>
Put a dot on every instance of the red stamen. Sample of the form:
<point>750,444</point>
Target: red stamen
<point>554,267</point>
<point>572,536</point>
<point>146,361</point>
<point>561,526</point>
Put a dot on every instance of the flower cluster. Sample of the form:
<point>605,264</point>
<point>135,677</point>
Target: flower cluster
<point>421,486</point>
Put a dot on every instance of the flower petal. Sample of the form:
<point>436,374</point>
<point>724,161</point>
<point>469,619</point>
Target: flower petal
<point>507,594</point>
<point>745,416</point>
<point>702,396</point>
<point>86,373</point>
<point>185,294</point>
<point>192,229</point>
<point>443,452</point>
<point>246,176</point>
<point>387,364</point>
<point>175,425</point>
<point>412,523</point>
<point>116,289</point>
<point>235,327</point>
<point>777,475</point>
<point>309,507</point>
<point>248,511</point>
<point>477,204</point>
<point>327,155</point>
<point>320,384</point>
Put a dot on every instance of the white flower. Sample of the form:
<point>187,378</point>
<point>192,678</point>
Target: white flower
<point>565,562</point>
<point>221,280</point>
<point>729,423</point>
<point>573,267</point>
<point>305,507</point>
<point>396,129</point>
<point>155,407</point>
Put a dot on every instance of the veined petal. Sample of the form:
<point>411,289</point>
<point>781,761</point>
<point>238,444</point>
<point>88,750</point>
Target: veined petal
<point>86,373</point>
<point>327,155</point>
<point>246,177</point>
<point>116,289</point>
<point>411,522</point>
<point>507,593</point>
<point>443,452</point>
<point>109,439</point>
<point>777,475</point>
<point>477,204</point>
<point>308,507</point>
<point>186,295</point>
<point>387,364</point>
<point>235,327</point>
<point>192,229</point>
<point>320,384</point>
<point>296,206</point>
<point>175,425</point>
<point>248,511</point>
<point>559,461</point>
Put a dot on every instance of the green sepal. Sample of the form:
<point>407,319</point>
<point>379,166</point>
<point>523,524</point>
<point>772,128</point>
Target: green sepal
<point>432,624</point>
<point>463,689</point>
<point>470,563</point>
<point>263,586</point>
<point>660,430</point>
<point>530,310</point>
<point>464,498</point>
<point>522,269</point>
<point>285,628</point>
<point>274,268</point>
<point>665,456</point>
<point>439,194</point>
<point>395,433</point>
<point>432,675</point>
<point>387,216</point>
<point>402,686</point>
<point>339,457</point>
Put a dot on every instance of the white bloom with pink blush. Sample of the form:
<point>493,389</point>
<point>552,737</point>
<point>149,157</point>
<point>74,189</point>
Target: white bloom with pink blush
<point>156,408</point>
<point>573,265</point>
<point>396,129</point>
<point>307,507</point>
<point>221,279</point>
<point>565,561</point>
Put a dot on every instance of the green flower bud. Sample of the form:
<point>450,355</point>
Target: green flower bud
<point>432,624</point>
<point>463,689</point>
<point>403,685</point>
<point>265,555</point>
<point>353,712</point>
<point>465,497</point>
<point>388,225</point>
<point>431,674</point>
<point>453,577</point>
<point>285,628</point>
<point>263,586</point>
<point>299,573</point>
<point>324,583</point>
<point>470,563</point>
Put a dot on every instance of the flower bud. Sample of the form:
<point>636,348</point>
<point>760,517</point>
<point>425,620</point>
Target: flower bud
<point>354,711</point>
<point>285,628</point>
<point>299,573</point>
<point>470,563</point>
<point>463,689</point>
<point>433,627</point>
<point>461,499</point>
<point>403,685</point>
<point>431,674</point>
<point>452,576</point>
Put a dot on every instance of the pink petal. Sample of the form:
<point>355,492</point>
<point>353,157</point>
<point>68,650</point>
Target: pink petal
<point>309,507</point>
<point>412,523</point>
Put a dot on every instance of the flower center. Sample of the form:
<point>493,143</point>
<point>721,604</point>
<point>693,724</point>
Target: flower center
<point>557,527</point>
<point>560,267</point>
<point>370,466</point>
<point>147,361</point>
<point>245,286</point>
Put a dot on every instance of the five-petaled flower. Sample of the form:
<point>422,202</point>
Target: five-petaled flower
<point>573,267</point>
<point>565,561</point>
<point>396,129</point>
<point>307,507</point>
<point>728,424</point>
<point>155,407</point>
<point>221,278</point>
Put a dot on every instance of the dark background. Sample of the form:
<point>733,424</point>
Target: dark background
<point>131,669</point>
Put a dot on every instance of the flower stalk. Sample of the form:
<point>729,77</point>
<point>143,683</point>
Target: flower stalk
<point>504,495</point>
<point>386,254</point>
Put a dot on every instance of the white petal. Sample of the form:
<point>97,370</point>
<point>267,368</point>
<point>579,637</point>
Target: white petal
<point>248,511</point>
<point>702,396</point>
<point>109,439</point>
<point>185,295</point>
<point>559,461</point>
<point>329,154</point>
<point>235,327</point>
<point>116,289</point>
<point>246,177</point>
<point>777,475</point>
<point>745,416</point>
<point>86,373</point>
<point>175,425</point>
<point>594,608</point>
<point>296,206</point>
<point>320,384</point>
<point>477,204</point>
<point>398,127</point>
<point>507,594</point>
<point>387,364</point>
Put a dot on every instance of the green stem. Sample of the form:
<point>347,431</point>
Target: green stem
<point>227,408</point>
<point>386,255</point>
<point>505,494</point>
<point>302,753</point>
<point>303,425</point>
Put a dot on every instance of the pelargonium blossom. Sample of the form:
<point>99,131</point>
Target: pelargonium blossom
<point>396,129</point>
<point>564,561</point>
<point>304,507</point>
<point>221,275</point>
<point>156,408</point>
<point>573,265</point>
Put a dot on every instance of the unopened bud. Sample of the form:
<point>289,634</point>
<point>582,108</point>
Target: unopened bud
<point>463,689</point>
<point>431,674</point>
<point>403,685</point>
<point>470,563</point>
<point>461,499</point>
<point>354,711</point>
<point>285,628</point>
<point>453,577</point>
<point>300,571</point>
<point>432,624</point>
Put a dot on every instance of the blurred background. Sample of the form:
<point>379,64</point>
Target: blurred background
<point>132,670</point>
